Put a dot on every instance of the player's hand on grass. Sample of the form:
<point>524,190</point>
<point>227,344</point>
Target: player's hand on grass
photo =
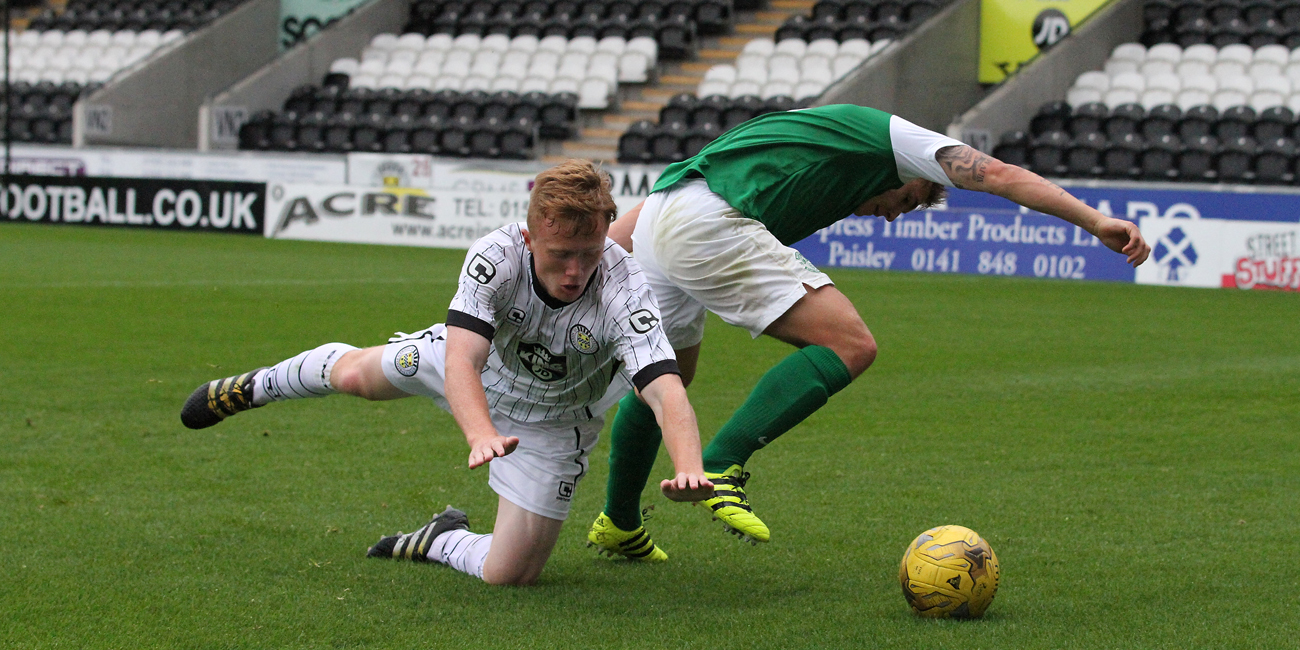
<point>488,448</point>
<point>687,487</point>
<point>1124,237</point>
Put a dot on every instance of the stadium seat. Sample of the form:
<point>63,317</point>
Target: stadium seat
<point>1120,159</point>
<point>1157,160</point>
<point>1160,121</point>
<point>1197,121</point>
<point>1047,153</point>
<point>1083,157</point>
<point>1273,123</point>
<point>1275,162</point>
<point>1087,118</point>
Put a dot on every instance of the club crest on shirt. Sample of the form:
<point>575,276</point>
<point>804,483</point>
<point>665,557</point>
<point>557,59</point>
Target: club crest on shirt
<point>542,363</point>
<point>582,339</point>
<point>481,269</point>
<point>407,361</point>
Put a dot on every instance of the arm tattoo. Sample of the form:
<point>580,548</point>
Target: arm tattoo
<point>964,165</point>
<point>1051,185</point>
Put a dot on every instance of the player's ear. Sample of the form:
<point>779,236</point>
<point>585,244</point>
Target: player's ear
<point>528,240</point>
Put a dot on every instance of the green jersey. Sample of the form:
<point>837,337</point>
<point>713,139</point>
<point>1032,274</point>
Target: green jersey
<point>799,171</point>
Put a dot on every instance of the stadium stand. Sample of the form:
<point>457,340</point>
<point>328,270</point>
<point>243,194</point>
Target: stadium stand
<point>468,95</point>
<point>1209,95</point>
<point>674,26</point>
<point>792,69</point>
<point>131,16</point>
<point>52,68</point>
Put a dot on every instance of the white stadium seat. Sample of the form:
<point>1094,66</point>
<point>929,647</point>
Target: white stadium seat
<point>1274,54</point>
<point>1171,52</point>
<point>760,46</point>
<point>413,41</point>
<point>633,67</point>
<point>1079,96</point>
<point>524,43</point>
<point>1118,96</point>
<point>583,44</point>
<point>496,43</point>
<point>796,46</point>
<point>1169,82</point>
<point>1192,97</point>
<point>777,88</point>
<point>1202,52</point>
<point>1093,79</point>
<point>858,47</point>
<point>1134,52</point>
<point>647,46</point>
<point>807,89</point>
<point>615,45</point>
<point>710,87</point>
<point>1238,52</point>
<point>1152,67</point>
<point>1120,66</point>
<point>1130,80</point>
<point>745,87</point>
<point>442,42</point>
<point>594,94</point>
<point>827,47</point>
<point>384,41</point>
<point>1225,99</point>
<point>1156,97</point>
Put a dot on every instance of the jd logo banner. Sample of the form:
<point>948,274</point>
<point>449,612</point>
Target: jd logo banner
<point>544,365</point>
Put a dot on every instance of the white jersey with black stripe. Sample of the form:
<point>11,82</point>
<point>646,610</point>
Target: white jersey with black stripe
<point>552,361</point>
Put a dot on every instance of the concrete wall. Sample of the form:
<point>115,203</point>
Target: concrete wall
<point>153,105</point>
<point>219,118</point>
<point>929,77</point>
<point>1011,106</point>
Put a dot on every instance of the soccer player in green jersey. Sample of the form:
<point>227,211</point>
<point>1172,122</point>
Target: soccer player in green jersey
<point>715,235</point>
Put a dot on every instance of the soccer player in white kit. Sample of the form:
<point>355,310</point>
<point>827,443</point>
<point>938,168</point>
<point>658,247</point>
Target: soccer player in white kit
<point>552,323</point>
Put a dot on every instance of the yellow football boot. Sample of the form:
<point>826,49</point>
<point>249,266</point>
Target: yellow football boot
<point>633,545</point>
<point>730,505</point>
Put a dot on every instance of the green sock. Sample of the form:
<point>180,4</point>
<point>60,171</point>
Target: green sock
<point>634,443</point>
<point>787,394</point>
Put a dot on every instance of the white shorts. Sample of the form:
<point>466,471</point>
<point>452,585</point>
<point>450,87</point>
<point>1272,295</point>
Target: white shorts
<point>700,253</point>
<point>542,473</point>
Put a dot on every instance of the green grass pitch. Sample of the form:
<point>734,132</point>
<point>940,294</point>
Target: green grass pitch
<point>1131,453</point>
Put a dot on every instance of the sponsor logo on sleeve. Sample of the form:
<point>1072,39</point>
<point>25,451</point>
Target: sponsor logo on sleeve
<point>582,339</point>
<point>480,269</point>
<point>643,320</point>
<point>541,362</point>
<point>407,361</point>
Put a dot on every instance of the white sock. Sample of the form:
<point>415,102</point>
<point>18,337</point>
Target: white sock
<point>461,550</point>
<point>306,375</point>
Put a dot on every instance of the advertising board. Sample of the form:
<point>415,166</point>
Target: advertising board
<point>1222,253</point>
<point>135,202</point>
<point>393,216</point>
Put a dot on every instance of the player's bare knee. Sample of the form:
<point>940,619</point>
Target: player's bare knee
<point>348,377</point>
<point>858,352</point>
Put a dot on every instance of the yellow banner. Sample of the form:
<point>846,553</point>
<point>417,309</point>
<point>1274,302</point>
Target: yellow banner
<point>1013,32</point>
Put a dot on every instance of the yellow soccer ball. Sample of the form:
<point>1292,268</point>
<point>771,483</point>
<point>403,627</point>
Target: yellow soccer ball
<point>949,571</point>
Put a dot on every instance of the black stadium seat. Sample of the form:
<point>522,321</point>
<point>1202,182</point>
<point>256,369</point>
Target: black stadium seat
<point>1120,159</point>
<point>634,144</point>
<point>1236,159</point>
<point>1088,118</point>
<point>1197,121</point>
<point>1083,158</point>
<point>1273,123</point>
<point>1158,160</point>
<point>1047,153</point>
<point>1275,163</point>
<point>1196,161</point>
<point>1013,148</point>
<point>1160,121</point>
<point>1052,116</point>
<point>1124,120</point>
